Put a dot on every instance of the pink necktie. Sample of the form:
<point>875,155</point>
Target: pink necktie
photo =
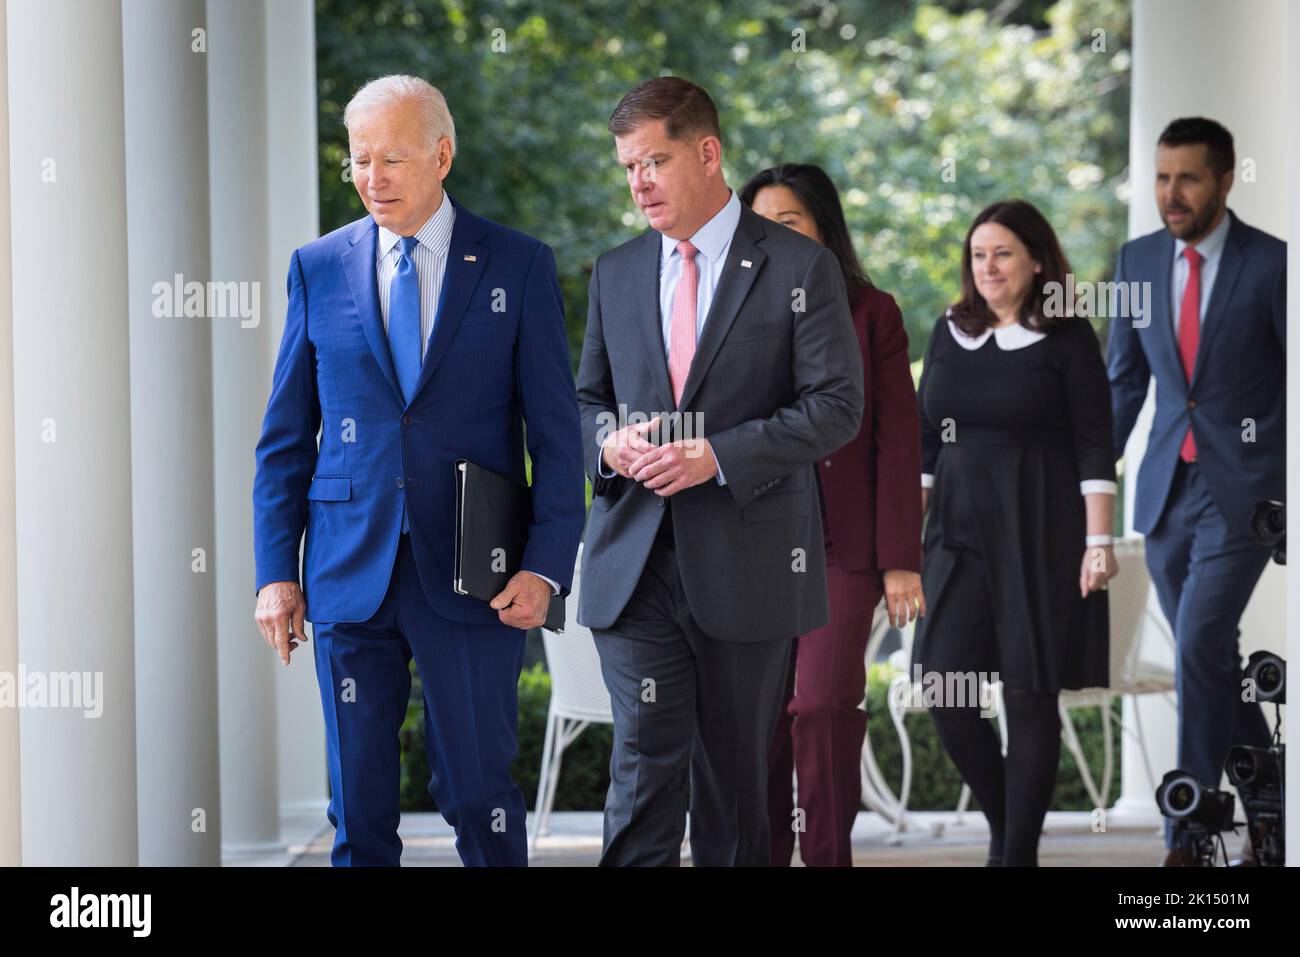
<point>681,334</point>
<point>1189,334</point>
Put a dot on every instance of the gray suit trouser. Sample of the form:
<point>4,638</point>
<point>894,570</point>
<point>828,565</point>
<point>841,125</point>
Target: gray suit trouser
<point>685,702</point>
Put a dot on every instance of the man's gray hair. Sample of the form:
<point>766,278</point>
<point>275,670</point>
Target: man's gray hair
<point>397,87</point>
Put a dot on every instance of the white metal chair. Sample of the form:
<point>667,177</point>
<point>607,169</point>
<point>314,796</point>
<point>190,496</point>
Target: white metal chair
<point>578,698</point>
<point>1131,618</point>
<point>1131,674</point>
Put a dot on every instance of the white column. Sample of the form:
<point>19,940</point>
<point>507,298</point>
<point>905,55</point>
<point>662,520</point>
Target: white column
<point>294,220</point>
<point>1292,729</point>
<point>72,434</point>
<point>1204,58</point>
<point>10,776</point>
<point>171,420</point>
<point>239,180</point>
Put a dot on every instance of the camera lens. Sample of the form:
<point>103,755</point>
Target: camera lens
<point>1242,767</point>
<point>1181,797</point>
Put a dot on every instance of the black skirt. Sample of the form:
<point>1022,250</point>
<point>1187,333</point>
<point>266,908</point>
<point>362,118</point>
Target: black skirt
<point>1019,510</point>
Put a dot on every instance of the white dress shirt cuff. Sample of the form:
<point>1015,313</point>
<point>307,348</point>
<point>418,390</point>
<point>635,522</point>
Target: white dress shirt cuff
<point>1098,486</point>
<point>600,465</point>
<point>927,480</point>
<point>555,589</point>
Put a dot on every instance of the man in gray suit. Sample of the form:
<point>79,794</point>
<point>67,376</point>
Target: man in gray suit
<point>704,557</point>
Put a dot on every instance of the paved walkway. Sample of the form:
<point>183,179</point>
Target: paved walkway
<point>933,839</point>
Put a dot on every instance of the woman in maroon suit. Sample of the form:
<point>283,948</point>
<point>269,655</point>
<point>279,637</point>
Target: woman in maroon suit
<point>872,523</point>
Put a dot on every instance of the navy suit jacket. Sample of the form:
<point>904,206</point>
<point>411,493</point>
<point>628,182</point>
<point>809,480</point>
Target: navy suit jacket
<point>497,358</point>
<point>1236,400</point>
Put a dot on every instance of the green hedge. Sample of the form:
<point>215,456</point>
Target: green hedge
<point>584,776</point>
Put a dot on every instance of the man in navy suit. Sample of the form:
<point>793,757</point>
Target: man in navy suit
<point>1214,339</point>
<point>416,336</point>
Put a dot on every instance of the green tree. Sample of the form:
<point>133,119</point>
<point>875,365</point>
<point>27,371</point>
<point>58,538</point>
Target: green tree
<point>922,115</point>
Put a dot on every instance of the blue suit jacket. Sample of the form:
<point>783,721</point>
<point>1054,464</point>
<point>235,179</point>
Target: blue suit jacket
<point>484,375</point>
<point>1239,377</point>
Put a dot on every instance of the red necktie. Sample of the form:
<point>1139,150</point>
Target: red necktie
<point>1189,334</point>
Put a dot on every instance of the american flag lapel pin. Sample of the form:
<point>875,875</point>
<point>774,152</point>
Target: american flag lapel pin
<point>471,259</point>
<point>745,263</point>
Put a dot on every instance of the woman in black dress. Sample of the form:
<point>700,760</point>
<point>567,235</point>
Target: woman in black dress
<point>1017,459</point>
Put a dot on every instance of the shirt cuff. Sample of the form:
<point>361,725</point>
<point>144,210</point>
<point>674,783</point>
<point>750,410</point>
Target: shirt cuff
<point>600,464</point>
<point>722,479</point>
<point>1098,486</point>
<point>554,587</point>
<point>927,480</point>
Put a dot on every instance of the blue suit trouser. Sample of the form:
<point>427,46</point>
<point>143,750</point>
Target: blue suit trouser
<point>1204,574</point>
<point>470,673</point>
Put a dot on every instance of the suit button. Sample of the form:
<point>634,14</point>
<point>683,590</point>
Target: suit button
<point>1191,403</point>
<point>401,484</point>
<point>827,463</point>
<point>407,420</point>
<point>659,500</point>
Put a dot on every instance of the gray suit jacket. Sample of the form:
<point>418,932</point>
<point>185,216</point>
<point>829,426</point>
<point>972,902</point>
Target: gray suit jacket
<point>776,384</point>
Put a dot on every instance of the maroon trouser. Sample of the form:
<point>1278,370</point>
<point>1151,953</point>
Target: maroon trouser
<point>819,732</point>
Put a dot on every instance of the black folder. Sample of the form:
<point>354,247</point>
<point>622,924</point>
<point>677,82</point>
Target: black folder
<point>493,514</point>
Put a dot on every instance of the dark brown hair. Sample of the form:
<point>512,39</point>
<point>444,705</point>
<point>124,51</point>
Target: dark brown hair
<point>685,107</point>
<point>1189,130</point>
<point>972,314</point>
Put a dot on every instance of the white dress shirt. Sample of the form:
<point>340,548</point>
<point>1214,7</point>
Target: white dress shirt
<point>711,241</point>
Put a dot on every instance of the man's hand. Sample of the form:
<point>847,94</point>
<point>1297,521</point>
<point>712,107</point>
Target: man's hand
<point>524,601</point>
<point>667,469</point>
<point>280,611</point>
<point>620,449</point>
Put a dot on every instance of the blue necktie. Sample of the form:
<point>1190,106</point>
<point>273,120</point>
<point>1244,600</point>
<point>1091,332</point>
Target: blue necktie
<point>404,319</point>
<point>404,328</point>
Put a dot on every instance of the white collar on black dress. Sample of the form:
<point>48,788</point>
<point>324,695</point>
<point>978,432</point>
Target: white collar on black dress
<point>1009,337</point>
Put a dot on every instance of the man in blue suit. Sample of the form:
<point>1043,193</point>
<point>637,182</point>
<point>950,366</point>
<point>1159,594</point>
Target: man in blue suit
<point>1214,339</point>
<point>416,336</point>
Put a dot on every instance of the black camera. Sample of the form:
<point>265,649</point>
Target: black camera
<point>1257,775</point>
<point>1269,525</point>
<point>1199,813</point>
<point>1184,799</point>
<point>1266,673</point>
<point>1253,767</point>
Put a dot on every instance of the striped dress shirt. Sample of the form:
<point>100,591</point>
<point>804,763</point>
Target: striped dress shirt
<point>430,262</point>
